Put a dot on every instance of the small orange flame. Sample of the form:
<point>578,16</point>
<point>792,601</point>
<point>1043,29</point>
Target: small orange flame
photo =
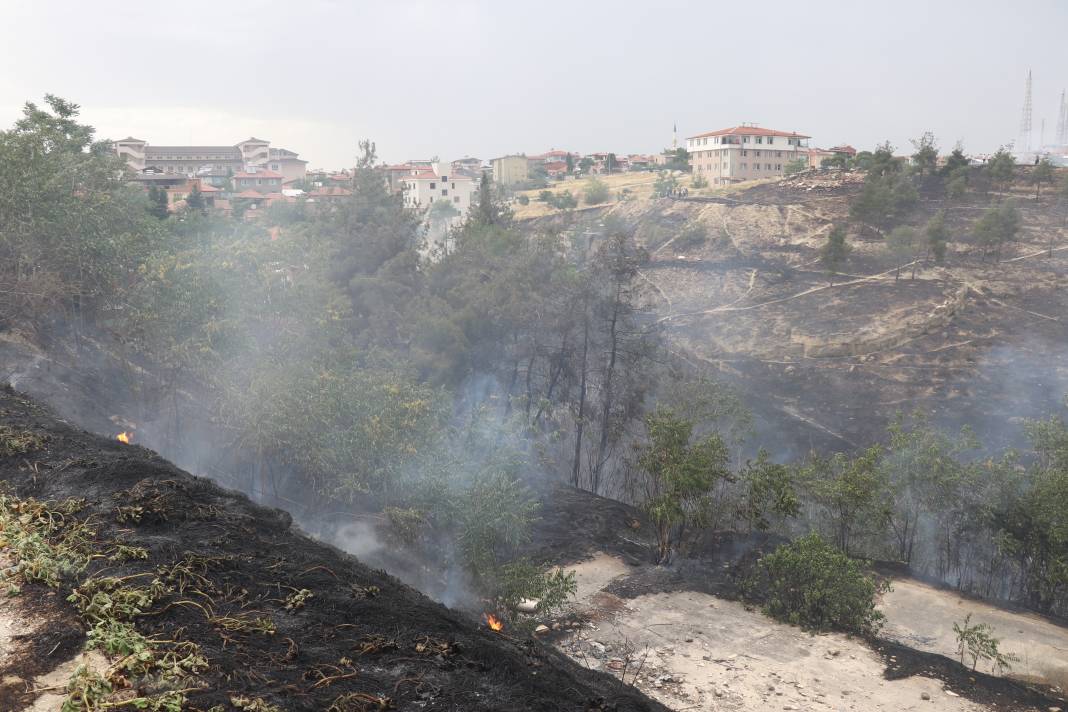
<point>124,437</point>
<point>495,623</point>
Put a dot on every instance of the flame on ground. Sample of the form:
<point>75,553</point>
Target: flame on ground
<point>495,623</point>
<point>124,437</point>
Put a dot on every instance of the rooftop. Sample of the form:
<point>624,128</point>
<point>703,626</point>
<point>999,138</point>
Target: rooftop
<point>257,174</point>
<point>751,131</point>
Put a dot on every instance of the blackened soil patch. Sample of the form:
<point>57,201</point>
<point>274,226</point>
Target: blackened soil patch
<point>279,617</point>
<point>999,692</point>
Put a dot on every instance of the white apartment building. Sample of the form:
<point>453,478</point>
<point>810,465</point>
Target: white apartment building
<point>423,187</point>
<point>745,152</point>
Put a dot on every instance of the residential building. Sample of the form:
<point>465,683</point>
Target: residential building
<point>554,156</point>
<point>471,166</point>
<point>424,187</point>
<point>640,162</point>
<point>192,160</point>
<point>258,180</point>
<point>745,152</point>
<point>845,151</point>
<point>510,170</point>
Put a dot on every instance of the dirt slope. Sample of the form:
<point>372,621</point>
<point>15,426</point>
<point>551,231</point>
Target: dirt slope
<point>278,619</point>
<point>825,366</point>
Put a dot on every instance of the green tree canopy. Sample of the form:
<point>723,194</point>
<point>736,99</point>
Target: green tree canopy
<point>680,475</point>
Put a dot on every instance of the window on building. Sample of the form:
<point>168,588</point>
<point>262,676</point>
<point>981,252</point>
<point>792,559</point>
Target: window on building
<point>444,191</point>
<point>745,139</point>
<point>456,199</point>
<point>756,153</point>
<point>767,166</point>
<point>778,166</point>
<point>433,186</point>
<point>771,139</point>
<point>744,166</point>
<point>745,152</point>
<point>444,179</point>
<point>454,186</point>
<point>760,139</point>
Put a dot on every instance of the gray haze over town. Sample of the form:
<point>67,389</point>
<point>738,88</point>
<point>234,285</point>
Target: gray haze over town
<point>488,78</point>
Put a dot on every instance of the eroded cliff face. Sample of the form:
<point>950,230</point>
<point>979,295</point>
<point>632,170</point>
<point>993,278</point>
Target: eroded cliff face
<point>972,341</point>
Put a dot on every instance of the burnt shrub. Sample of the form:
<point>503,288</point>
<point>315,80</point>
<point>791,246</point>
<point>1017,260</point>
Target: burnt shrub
<point>810,583</point>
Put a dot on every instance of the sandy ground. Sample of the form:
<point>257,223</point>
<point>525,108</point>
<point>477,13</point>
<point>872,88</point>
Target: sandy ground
<point>15,627</point>
<point>922,617</point>
<point>693,651</point>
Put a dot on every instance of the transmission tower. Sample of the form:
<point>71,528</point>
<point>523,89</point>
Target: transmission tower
<point>1025,120</point>
<point>1062,122</point>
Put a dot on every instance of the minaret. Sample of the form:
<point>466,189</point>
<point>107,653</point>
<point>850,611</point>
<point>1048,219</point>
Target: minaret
<point>1062,122</point>
<point>1025,120</point>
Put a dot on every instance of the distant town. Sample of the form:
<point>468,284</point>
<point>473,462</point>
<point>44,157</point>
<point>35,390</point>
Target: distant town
<point>243,179</point>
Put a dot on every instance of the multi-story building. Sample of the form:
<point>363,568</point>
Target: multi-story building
<point>744,152</point>
<point>194,160</point>
<point>424,187</point>
<point>510,170</point>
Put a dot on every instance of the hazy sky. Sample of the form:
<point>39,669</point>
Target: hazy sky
<point>467,77</point>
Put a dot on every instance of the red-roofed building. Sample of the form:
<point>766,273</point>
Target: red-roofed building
<point>261,181</point>
<point>845,150</point>
<point>744,152</point>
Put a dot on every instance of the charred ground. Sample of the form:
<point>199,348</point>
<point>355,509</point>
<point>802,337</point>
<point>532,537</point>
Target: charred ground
<point>230,576</point>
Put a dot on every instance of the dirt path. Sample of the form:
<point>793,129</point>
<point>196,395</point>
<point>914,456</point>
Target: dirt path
<point>695,651</point>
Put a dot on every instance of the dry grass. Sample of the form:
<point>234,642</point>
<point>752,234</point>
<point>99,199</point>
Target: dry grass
<point>638,185</point>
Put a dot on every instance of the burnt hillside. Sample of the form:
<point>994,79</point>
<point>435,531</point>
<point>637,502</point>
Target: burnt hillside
<point>976,340</point>
<point>198,597</point>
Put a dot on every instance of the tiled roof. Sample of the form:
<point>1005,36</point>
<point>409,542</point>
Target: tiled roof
<point>750,131</point>
<point>258,174</point>
<point>248,194</point>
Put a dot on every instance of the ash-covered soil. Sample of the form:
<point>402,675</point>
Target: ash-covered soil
<point>278,617</point>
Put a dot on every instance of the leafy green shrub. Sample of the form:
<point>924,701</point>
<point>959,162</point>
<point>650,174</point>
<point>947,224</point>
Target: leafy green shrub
<point>596,192</point>
<point>546,196</point>
<point>795,166</point>
<point>692,236</point>
<point>563,200</point>
<point>699,181</point>
<point>978,643</point>
<point>810,583</point>
<point>524,200</point>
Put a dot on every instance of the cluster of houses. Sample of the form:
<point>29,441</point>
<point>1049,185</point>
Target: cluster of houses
<point>249,176</point>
